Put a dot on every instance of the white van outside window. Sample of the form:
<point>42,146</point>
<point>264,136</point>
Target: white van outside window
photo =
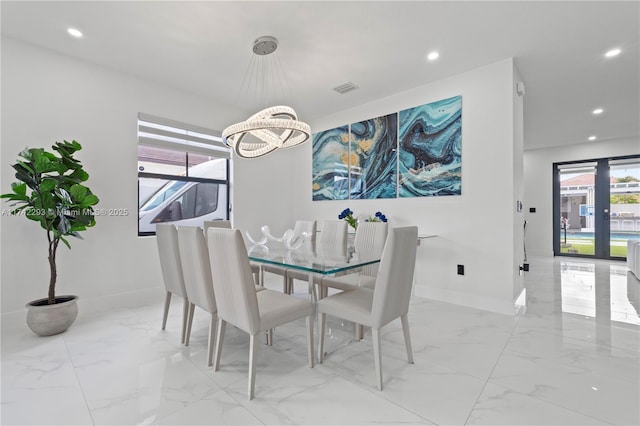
<point>187,202</point>
<point>180,182</point>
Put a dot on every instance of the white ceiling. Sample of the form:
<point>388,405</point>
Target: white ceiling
<point>204,47</point>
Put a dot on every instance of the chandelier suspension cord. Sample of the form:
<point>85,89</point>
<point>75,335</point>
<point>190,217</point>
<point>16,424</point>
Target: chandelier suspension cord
<point>272,128</point>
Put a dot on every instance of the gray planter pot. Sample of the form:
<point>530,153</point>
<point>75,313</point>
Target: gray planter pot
<point>47,320</point>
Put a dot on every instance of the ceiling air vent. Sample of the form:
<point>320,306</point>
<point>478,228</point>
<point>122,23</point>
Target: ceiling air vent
<point>346,87</point>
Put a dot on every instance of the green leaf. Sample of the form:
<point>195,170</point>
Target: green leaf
<point>78,192</point>
<point>84,220</point>
<point>24,175</point>
<point>41,164</point>
<point>26,166</point>
<point>35,217</point>
<point>19,188</point>
<point>26,154</point>
<point>48,185</point>
<point>64,196</point>
<point>90,200</point>
<point>19,209</point>
<point>79,175</point>
<point>63,225</point>
<point>64,240</point>
<point>15,197</point>
<point>49,190</point>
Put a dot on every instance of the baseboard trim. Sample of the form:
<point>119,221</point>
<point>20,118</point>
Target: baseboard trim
<point>132,299</point>
<point>469,300</point>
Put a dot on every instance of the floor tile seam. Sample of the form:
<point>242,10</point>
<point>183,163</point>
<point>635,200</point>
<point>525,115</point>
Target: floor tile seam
<point>374,391</point>
<point>204,399</point>
<point>78,381</point>
<point>551,402</point>
<point>507,340</point>
<point>161,356</point>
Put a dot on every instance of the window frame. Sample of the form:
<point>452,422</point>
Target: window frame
<point>195,141</point>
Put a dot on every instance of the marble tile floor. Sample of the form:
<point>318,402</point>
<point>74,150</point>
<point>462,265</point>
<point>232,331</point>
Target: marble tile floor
<point>571,357</point>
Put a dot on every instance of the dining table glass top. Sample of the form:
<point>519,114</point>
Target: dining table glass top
<point>323,259</point>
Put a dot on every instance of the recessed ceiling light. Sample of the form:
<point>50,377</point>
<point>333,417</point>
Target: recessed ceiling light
<point>613,52</point>
<point>433,56</point>
<point>592,138</point>
<point>74,32</point>
<point>598,111</point>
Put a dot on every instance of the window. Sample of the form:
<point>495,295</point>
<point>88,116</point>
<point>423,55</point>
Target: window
<point>596,206</point>
<point>183,174</point>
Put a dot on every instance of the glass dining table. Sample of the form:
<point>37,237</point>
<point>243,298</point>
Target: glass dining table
<point>319,261</point>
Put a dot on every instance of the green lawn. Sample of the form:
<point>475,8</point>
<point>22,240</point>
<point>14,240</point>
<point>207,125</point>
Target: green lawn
<point>587,248</point>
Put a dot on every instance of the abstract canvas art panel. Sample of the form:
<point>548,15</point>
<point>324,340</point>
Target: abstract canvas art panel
<point>330,164</point>
<point>373,158</point>
<point>430,149</point>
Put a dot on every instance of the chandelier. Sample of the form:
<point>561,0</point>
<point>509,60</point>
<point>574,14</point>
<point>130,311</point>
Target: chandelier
<point>269,129</point>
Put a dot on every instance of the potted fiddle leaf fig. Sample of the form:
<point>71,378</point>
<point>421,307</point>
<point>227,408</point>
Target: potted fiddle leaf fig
<point>51,191</point>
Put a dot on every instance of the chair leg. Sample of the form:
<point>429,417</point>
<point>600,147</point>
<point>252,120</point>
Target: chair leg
<point>315,295</point>
<point>252,365</point>
<point>310,338</point>
<point>167,302</point>
<point>359,331</point>
<point>222,325</point>
<point>212,337</point>
<point>185,318</point>
<point>324,291</point>
<point>321,326</point>
<point>407,337</point>
<point>192,309</point>
<point>376,355</point>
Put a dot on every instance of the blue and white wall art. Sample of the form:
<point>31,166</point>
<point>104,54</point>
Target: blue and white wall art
<point>431,149</point>
<point>330,164</point>
<point>414,153</point>
<point>373,158</point>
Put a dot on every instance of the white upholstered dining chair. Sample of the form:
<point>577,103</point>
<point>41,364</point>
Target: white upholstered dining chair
<point>241,306</point>
<point>169,253</point>
<point>197,280</point>
<point>369,242</point>
<point>388,300</point>
<point>226,224</point>
<point>216,224</point>
<point>333,237</point>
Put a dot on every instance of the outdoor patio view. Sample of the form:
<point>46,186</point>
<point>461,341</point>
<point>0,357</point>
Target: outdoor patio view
<point>577,199</point>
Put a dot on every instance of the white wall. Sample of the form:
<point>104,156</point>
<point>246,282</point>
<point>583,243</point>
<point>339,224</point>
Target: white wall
<point>475,229</point>
<point>538,169</point>
<point>48,97</point>
<point>264,192</point>
<point>518,189</point>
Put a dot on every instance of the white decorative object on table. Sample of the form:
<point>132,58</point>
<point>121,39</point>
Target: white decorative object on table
<point>289,238</point>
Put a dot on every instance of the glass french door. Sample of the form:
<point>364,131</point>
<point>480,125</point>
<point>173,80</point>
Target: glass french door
<point>596,207</point>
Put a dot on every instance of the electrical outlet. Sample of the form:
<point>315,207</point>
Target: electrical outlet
<point>532,209</point>
<point>525,267</point>
<point>460,269</point>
